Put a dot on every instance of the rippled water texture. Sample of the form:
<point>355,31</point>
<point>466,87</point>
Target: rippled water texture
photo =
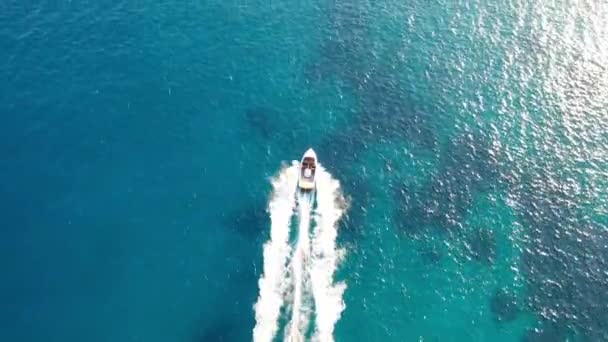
<point>499,115</point>
<point>470,138</point>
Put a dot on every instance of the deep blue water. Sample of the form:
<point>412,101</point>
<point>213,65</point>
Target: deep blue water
<point>137,141</point>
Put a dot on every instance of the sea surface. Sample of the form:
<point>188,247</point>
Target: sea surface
<point>138,140</point>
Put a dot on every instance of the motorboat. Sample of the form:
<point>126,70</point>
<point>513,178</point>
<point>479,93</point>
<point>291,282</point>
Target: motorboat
<point>308,166</point>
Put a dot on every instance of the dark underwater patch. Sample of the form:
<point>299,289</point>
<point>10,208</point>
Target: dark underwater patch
<point>337,57</point>
<point>222,331</point>
<point>549,332</point>
<point>347,49</point>
<point>503,305</point>
<point>481,246</point>
<point>467,167</point>
<point>351,226</point>
<point>565,261</point>
<point>431,255</point>
<point>411,216</point>
<point>250,220</point>
<point>388,113</point>
<point>236,292</point>
<point>262,121</point>
<point>566,255</point>
<point>342,150</point>
<point>385,109</point>
<point>359,198</point>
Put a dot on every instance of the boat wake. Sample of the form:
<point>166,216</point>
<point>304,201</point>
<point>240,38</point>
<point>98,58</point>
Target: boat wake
<point>301,277</point>
<point>273,282</point>
<point>326,257</point>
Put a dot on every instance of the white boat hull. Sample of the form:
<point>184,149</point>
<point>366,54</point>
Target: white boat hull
<point>308,165</point>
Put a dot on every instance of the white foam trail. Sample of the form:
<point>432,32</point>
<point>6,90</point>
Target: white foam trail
<point>311,267</point>
<point>300,312</point>
<point>276,250</point>
<point>326,257</point>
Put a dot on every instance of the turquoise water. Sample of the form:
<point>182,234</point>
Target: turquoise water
<point>138,139</point>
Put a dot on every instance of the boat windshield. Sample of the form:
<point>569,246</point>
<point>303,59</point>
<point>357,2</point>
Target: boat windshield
<point>308,163</point>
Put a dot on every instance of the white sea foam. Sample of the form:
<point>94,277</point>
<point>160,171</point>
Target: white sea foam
<point>326,256</point>
<point>305,277</point>
<point>300,312</point>
<point>272,284</point>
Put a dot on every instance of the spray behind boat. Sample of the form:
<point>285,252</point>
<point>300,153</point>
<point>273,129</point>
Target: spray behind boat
<point>298,293</point>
